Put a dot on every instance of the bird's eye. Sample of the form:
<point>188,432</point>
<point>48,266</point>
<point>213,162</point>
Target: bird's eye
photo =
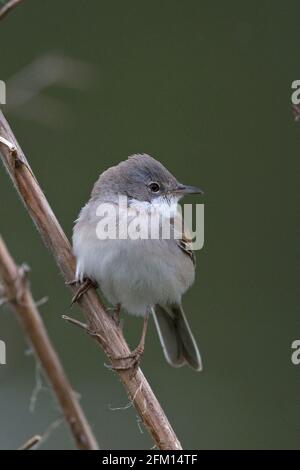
<point>154,187</point>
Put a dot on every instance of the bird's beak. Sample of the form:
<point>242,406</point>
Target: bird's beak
<point>183,189</point>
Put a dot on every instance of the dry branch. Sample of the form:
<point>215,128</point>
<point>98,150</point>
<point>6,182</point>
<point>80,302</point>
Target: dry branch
<point>18,294</point>
<point>106,332</point>
<point>10,5</point>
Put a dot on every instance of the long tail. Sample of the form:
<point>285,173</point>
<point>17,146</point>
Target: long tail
<point>175,335</point>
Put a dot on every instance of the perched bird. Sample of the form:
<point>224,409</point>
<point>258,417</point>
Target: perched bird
<point>142,275</point>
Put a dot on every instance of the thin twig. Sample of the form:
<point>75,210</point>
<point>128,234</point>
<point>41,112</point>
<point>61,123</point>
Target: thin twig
<point>17,290</point>
<point>33,441</point>
<point>29,84</point>
<point>10,5</point>
<point>49,431</point>
<point>76,322</point>
<point>106,332</point>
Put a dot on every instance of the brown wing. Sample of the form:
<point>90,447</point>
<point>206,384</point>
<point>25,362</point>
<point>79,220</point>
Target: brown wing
<point>185,245</point>
<point>182,237</point>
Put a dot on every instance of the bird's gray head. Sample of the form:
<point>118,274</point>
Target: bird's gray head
<point>140,177</point>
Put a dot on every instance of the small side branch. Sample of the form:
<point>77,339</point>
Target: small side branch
<point>18,294</point>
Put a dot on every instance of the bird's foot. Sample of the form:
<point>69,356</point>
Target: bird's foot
<point>83,288</point>
<point>134,358</point>
<point>133,361</point>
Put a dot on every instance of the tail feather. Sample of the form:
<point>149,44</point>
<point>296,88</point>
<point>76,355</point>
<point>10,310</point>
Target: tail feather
<point>177,340</point>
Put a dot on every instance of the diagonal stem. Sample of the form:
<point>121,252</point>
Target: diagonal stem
<point>97,319</point>
<point>17,290</point>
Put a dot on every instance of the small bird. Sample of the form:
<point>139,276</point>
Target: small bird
<point>144,276</point>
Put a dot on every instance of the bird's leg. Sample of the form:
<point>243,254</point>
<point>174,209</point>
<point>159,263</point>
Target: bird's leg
<point>134,358</point>
<point>84,287</point>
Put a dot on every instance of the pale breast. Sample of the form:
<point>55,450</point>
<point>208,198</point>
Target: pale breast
<point>136,273</point>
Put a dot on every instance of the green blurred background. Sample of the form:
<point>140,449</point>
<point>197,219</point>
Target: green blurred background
<point>205,88</point>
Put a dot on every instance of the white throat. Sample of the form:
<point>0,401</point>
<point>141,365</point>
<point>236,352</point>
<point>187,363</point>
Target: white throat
<point>166,207</point>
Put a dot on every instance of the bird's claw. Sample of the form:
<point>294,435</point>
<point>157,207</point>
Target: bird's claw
<point>134,359</point>
<point>84,287</point>
<point>72,283</point>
